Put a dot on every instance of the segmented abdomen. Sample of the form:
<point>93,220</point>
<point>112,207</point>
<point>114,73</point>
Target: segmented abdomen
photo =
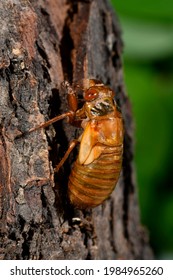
<point>89,185</point>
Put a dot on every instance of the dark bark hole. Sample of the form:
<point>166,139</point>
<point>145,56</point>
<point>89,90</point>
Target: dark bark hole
<point>67,46</point>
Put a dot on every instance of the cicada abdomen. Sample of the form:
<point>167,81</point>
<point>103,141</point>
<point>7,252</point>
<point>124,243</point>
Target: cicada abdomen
<point>89,185</point>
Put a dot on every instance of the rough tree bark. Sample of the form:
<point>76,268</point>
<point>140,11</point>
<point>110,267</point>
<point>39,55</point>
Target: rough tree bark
<point>43,43</point>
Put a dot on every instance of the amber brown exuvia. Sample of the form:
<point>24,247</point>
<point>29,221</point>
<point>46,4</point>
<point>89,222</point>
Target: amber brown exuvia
<point>98,165</point>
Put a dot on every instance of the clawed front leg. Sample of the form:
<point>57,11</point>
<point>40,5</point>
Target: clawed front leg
<point>71,96</point>
<point>77,115</point>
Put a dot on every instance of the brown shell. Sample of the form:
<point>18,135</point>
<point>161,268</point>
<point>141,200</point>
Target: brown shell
<point>90,184</point>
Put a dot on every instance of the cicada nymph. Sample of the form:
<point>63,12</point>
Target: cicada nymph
<point>97,168</point>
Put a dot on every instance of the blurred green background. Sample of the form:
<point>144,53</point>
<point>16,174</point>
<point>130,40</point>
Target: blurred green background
<point>147,29</point>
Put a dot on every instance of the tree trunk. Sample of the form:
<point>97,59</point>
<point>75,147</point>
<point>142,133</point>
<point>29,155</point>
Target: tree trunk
<point>43,43</point>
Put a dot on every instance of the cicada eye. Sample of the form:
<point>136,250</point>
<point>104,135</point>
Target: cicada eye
<point>90,94</point>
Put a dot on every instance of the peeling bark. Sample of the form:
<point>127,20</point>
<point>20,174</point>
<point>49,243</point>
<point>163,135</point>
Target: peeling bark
<point>43,43</point>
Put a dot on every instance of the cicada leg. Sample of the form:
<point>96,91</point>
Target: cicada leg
<point>74,117</point>
<point>71,96</point>
<point>53,120</point>
<point>70,148</point>
<point>71,114</point>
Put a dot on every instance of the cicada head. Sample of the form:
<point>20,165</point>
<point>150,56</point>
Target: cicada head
<point>99,100</point>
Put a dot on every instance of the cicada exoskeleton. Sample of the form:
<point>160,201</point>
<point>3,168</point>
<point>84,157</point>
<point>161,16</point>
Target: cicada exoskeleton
<point>97,168</point>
